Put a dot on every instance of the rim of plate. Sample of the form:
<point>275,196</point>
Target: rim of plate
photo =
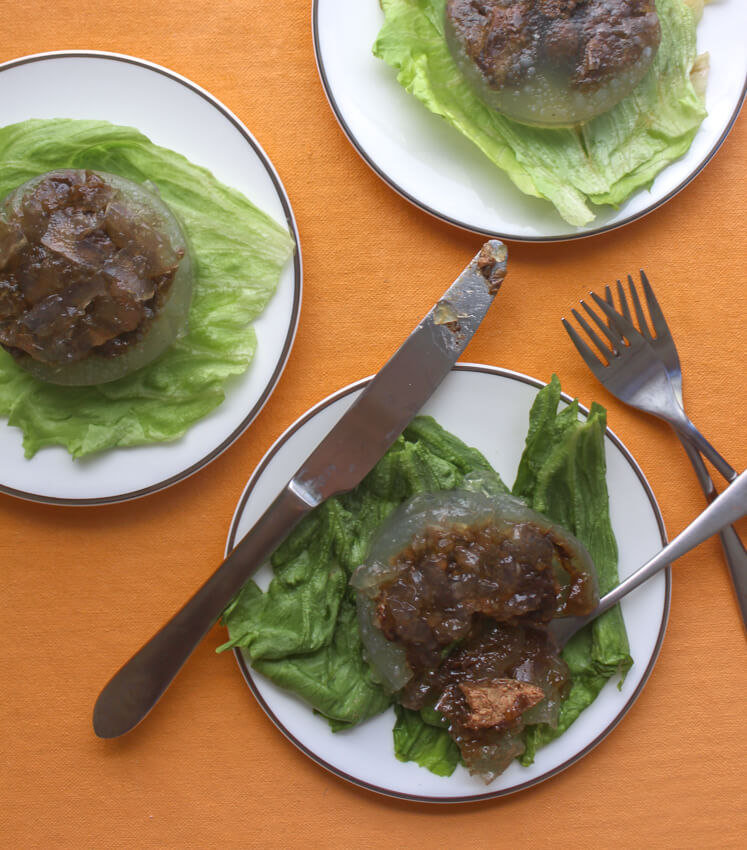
<point>419,798</point>
<point>297,274</point>
<point>606,228</point>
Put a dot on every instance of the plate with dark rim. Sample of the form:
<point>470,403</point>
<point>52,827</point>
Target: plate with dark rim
<point>439,170</point>
<point>177,114</point>
<point>488,408</point>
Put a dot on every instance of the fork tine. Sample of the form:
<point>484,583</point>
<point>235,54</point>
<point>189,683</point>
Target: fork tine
<point>642,324</point>
<point>622,325</point>
<point>605,349</point>
<point>654,310</point>
<point>623,302</point>
<point>610,299</point>
<point>607,329</point>
<point>592,361</point>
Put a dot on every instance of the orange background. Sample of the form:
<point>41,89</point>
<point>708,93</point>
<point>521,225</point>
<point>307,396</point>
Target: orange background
<point>83,587</point>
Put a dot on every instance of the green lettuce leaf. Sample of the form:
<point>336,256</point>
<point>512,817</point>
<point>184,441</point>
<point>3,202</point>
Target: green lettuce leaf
<point>238,253</point>
<point>604,161</point>
<point>425,743</point>
<point>334,679</point>
<point>562,474</point>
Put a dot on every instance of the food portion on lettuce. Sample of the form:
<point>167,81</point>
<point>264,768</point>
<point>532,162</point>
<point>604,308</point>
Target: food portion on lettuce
<point>304,634</point>
<point>453,603</point>
<point>95,276</point>
<point>601,161</point>
<point>237,254</point>
<point>550,63</point>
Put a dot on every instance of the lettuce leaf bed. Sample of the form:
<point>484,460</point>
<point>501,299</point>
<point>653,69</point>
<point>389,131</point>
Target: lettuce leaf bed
<point>238,253</point>
<point>302,633</point>
<point>602,162</point>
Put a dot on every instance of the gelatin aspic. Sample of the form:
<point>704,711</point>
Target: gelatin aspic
<point>95,276</point>
<point>453,603</point>
<point>553,62</point>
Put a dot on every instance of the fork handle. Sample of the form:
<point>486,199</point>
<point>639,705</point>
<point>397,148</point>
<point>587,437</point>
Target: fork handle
<point>688,432</point>
<point>734,552</point>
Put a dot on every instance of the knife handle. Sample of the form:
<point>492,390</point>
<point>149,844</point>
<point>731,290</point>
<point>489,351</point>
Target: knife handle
<point>139,684</point>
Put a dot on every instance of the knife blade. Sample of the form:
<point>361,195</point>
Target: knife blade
<point>341,460</point>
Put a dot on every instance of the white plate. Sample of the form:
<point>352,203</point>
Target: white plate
<point>433,165</point>
<point>177,114</point>
<point>488,408</point>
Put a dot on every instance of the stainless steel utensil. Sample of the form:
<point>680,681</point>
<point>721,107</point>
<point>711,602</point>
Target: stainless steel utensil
<point>646,373</point>
<point>662,342</point>
<point>635,374</point>
<point>339,463</point>
<point>725,509</point>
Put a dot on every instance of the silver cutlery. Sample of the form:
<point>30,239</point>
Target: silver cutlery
<point>341,460</point>
<point>635,374</point>
<point>725,509</point>
<point>643,370</point>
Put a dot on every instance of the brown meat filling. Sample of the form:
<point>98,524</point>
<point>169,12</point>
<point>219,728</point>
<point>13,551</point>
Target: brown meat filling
<point>79,272</point>
<point>590,41</point>
<point>449,577</point>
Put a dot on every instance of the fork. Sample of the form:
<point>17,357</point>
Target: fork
<point>663,344</point>
<point>644,371</point>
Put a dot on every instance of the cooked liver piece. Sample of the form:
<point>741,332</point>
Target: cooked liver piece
<point>496,703</point>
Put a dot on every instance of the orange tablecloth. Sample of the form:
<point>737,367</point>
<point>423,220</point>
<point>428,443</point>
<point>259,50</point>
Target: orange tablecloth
<point>82,588</point>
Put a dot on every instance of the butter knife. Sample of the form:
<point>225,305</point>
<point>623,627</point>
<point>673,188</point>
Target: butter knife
<point>342,459</point>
